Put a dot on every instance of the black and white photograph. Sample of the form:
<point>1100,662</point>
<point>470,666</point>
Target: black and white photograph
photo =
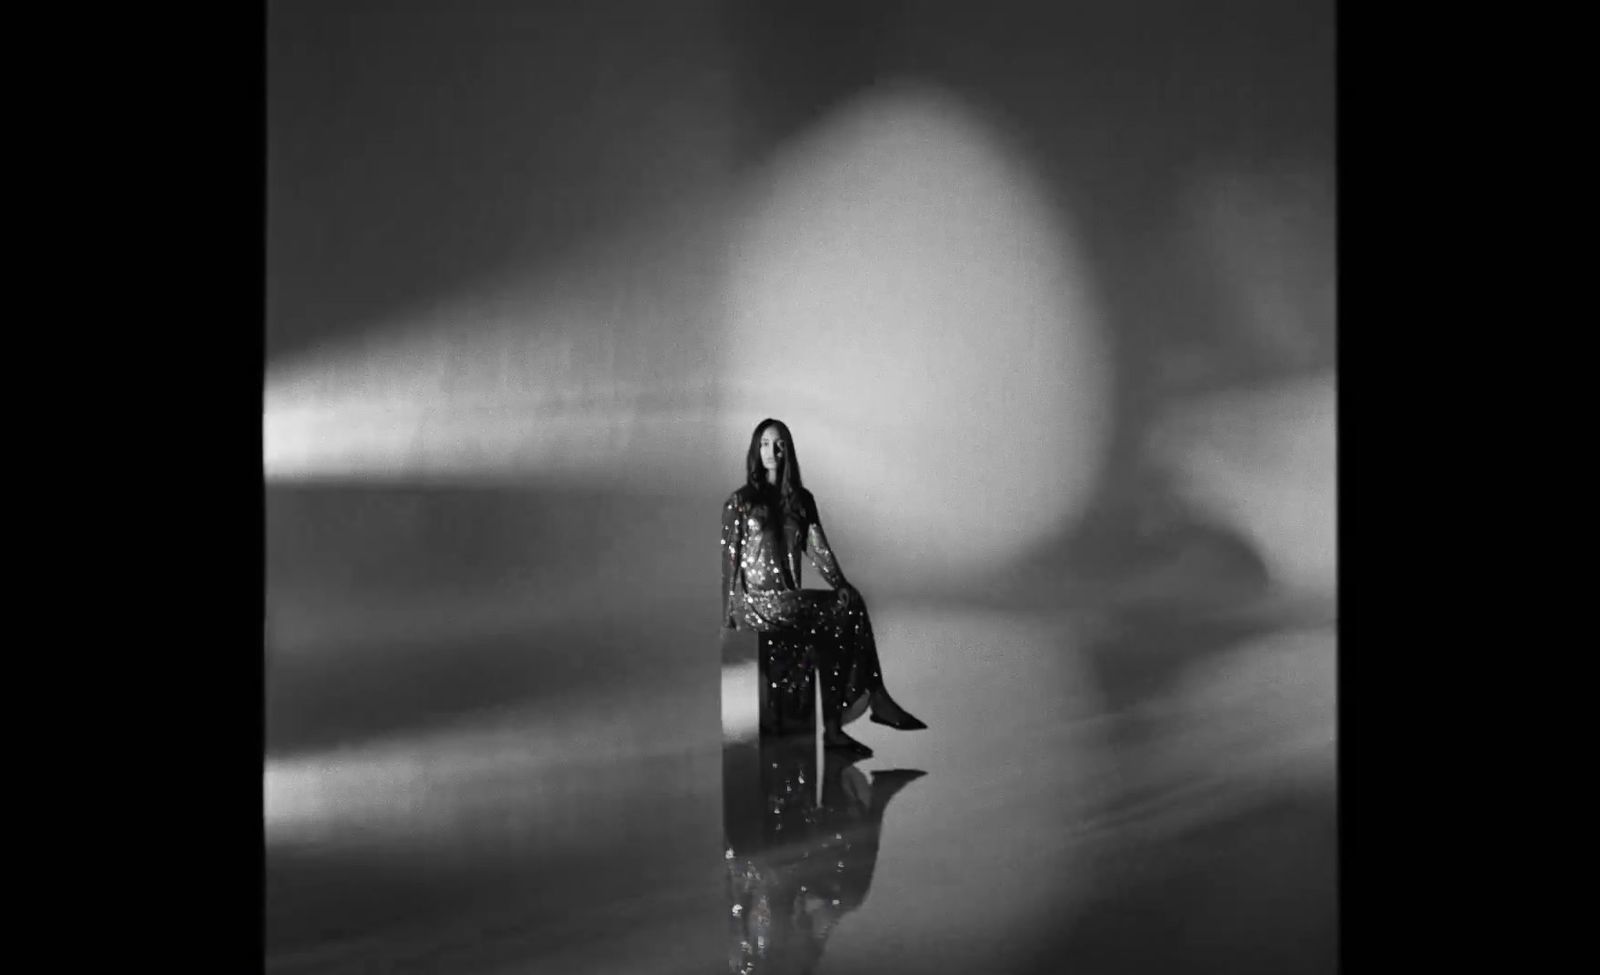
<point>766,487</point>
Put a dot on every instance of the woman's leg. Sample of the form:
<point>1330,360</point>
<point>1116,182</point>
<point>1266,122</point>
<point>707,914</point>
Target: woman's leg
<point>847,662</point>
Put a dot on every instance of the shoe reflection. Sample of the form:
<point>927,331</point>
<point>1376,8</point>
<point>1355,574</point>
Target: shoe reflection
<point>797,861</point>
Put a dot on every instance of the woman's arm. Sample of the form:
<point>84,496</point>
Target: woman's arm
<point>822,554</point>
<point>732,550</point>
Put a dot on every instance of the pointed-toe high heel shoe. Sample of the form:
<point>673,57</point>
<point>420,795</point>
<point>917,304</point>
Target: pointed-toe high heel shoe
<point>905,722</point>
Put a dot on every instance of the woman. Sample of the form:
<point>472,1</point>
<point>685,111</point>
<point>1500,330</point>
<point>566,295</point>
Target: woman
<point>766,525</point>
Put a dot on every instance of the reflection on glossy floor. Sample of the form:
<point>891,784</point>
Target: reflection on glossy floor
<point>1097,792</point>
<point>803,860</point>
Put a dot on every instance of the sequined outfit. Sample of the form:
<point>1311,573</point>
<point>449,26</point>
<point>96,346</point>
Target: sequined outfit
<point>761,591</point>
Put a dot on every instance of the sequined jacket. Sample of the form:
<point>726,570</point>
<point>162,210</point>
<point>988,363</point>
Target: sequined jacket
<point>762,553</point>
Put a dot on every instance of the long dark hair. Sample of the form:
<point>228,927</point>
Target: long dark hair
<point>789,495</point>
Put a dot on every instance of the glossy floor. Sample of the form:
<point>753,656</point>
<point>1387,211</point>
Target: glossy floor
<point>1144,792</point>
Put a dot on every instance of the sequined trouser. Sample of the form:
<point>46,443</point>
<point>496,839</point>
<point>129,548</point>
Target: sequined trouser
<point>814,631</point>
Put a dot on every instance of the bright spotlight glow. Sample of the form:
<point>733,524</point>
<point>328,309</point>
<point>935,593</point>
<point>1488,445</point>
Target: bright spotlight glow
<point>586,370</point>
<point>904,295</point>
<point>480,398</point>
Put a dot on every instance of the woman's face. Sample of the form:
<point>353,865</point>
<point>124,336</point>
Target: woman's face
<point>772,448</point>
